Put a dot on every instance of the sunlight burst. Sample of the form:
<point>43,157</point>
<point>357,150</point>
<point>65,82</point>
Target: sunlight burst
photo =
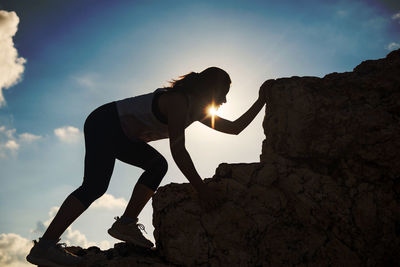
<point>213,111</point>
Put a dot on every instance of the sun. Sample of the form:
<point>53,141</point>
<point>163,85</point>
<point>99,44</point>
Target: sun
<point>212,111</point>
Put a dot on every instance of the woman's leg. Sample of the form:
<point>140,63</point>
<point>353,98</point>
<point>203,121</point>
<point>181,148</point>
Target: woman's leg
<point>140,196</point>
<point>71,209</point>
<point>98,171</point>
<point>99,165</point>
<point>139,153</point>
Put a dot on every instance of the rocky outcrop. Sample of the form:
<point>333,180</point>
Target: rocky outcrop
<point>326,191</point>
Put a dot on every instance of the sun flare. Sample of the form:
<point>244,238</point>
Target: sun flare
<point>213,111</point>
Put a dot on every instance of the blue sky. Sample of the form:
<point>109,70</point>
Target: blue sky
<point>76,55</point>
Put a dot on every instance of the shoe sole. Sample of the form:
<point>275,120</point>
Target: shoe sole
<point>125,238</point>
<point>44,262</point>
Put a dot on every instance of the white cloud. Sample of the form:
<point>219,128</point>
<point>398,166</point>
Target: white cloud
<point>108,201</point>
<point>393,46</point>
<point>29,138</point>
<point>13,250</point>
<point>10,144</point>
<point>76,238</point>
<point>68,134</point>
<point>11,66</point>
<point>396,17</point>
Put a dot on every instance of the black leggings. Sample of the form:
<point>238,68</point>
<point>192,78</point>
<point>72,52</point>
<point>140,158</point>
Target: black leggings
<point>105,141</point>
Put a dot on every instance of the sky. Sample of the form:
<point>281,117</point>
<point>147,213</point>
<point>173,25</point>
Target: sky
<point>59,60</point>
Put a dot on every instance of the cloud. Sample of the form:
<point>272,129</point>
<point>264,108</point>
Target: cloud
<point>11,66</point>
<point>10,144</point>
<point>396,17</point>
<point>13,250</point>
<point>108,201</point>
<point>76,238</point>
<point>28,137</point>
<point>393,46</point>
<point>68,134</point>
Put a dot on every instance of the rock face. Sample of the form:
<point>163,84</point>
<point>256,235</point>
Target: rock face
<point>325,193</point>
<point>327,189</point>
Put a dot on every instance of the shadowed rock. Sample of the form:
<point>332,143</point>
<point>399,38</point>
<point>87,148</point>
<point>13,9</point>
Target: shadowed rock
<point>122,255</point>
<point>326,192</point>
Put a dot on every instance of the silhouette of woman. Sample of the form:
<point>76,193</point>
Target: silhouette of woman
<point>121,130</point>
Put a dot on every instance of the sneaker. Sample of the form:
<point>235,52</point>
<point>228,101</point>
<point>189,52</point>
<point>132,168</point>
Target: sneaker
<point>51,254</point>
<point>130,232</point>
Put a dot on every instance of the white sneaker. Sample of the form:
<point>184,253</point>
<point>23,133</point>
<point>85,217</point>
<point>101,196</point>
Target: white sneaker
<point>130,232</point>
<point>53,255</point>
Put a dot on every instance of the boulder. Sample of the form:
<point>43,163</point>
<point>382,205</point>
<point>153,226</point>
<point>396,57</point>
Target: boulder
<point>326,192</point>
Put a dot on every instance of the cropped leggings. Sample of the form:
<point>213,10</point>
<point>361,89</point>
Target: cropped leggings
<point>105,141</point>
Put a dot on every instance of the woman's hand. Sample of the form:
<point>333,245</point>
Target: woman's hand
<point>209,198</point>
<point>262,96</point>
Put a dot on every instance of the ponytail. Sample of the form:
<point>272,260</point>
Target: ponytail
<point>194,82</point>
<point>186,82</point>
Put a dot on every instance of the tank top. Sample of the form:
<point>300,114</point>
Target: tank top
<point>141,119</point>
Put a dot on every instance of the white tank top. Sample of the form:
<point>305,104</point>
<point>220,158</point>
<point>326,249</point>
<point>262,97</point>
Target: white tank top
<point>141,119</point>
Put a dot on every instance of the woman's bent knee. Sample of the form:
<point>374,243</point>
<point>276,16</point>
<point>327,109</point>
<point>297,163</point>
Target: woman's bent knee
<point>163,166</point>
<point>158,164</point>
<point>154,173</point>
<point>88,194</point>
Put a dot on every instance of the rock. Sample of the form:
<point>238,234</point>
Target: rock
<point>326,192</point>
<point>122,255</point>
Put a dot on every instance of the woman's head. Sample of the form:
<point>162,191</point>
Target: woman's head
<point>212,84</point>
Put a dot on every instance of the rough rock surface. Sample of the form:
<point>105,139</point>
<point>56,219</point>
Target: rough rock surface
<point>326,192</point>
<point>122,255</point>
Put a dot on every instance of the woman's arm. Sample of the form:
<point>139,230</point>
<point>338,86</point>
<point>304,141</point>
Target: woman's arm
<point>237,126</point>
<point>177,110</point>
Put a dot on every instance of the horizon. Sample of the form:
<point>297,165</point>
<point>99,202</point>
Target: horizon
<point>62,60</point>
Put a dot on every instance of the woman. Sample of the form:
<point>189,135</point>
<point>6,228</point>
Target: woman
<point>121,130</point>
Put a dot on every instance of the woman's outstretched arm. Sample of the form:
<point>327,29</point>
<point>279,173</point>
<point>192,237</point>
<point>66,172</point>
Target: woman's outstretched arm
<point>237,126</point>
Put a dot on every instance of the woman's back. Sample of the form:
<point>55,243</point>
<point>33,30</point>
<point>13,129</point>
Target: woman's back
<point>141,117</point>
